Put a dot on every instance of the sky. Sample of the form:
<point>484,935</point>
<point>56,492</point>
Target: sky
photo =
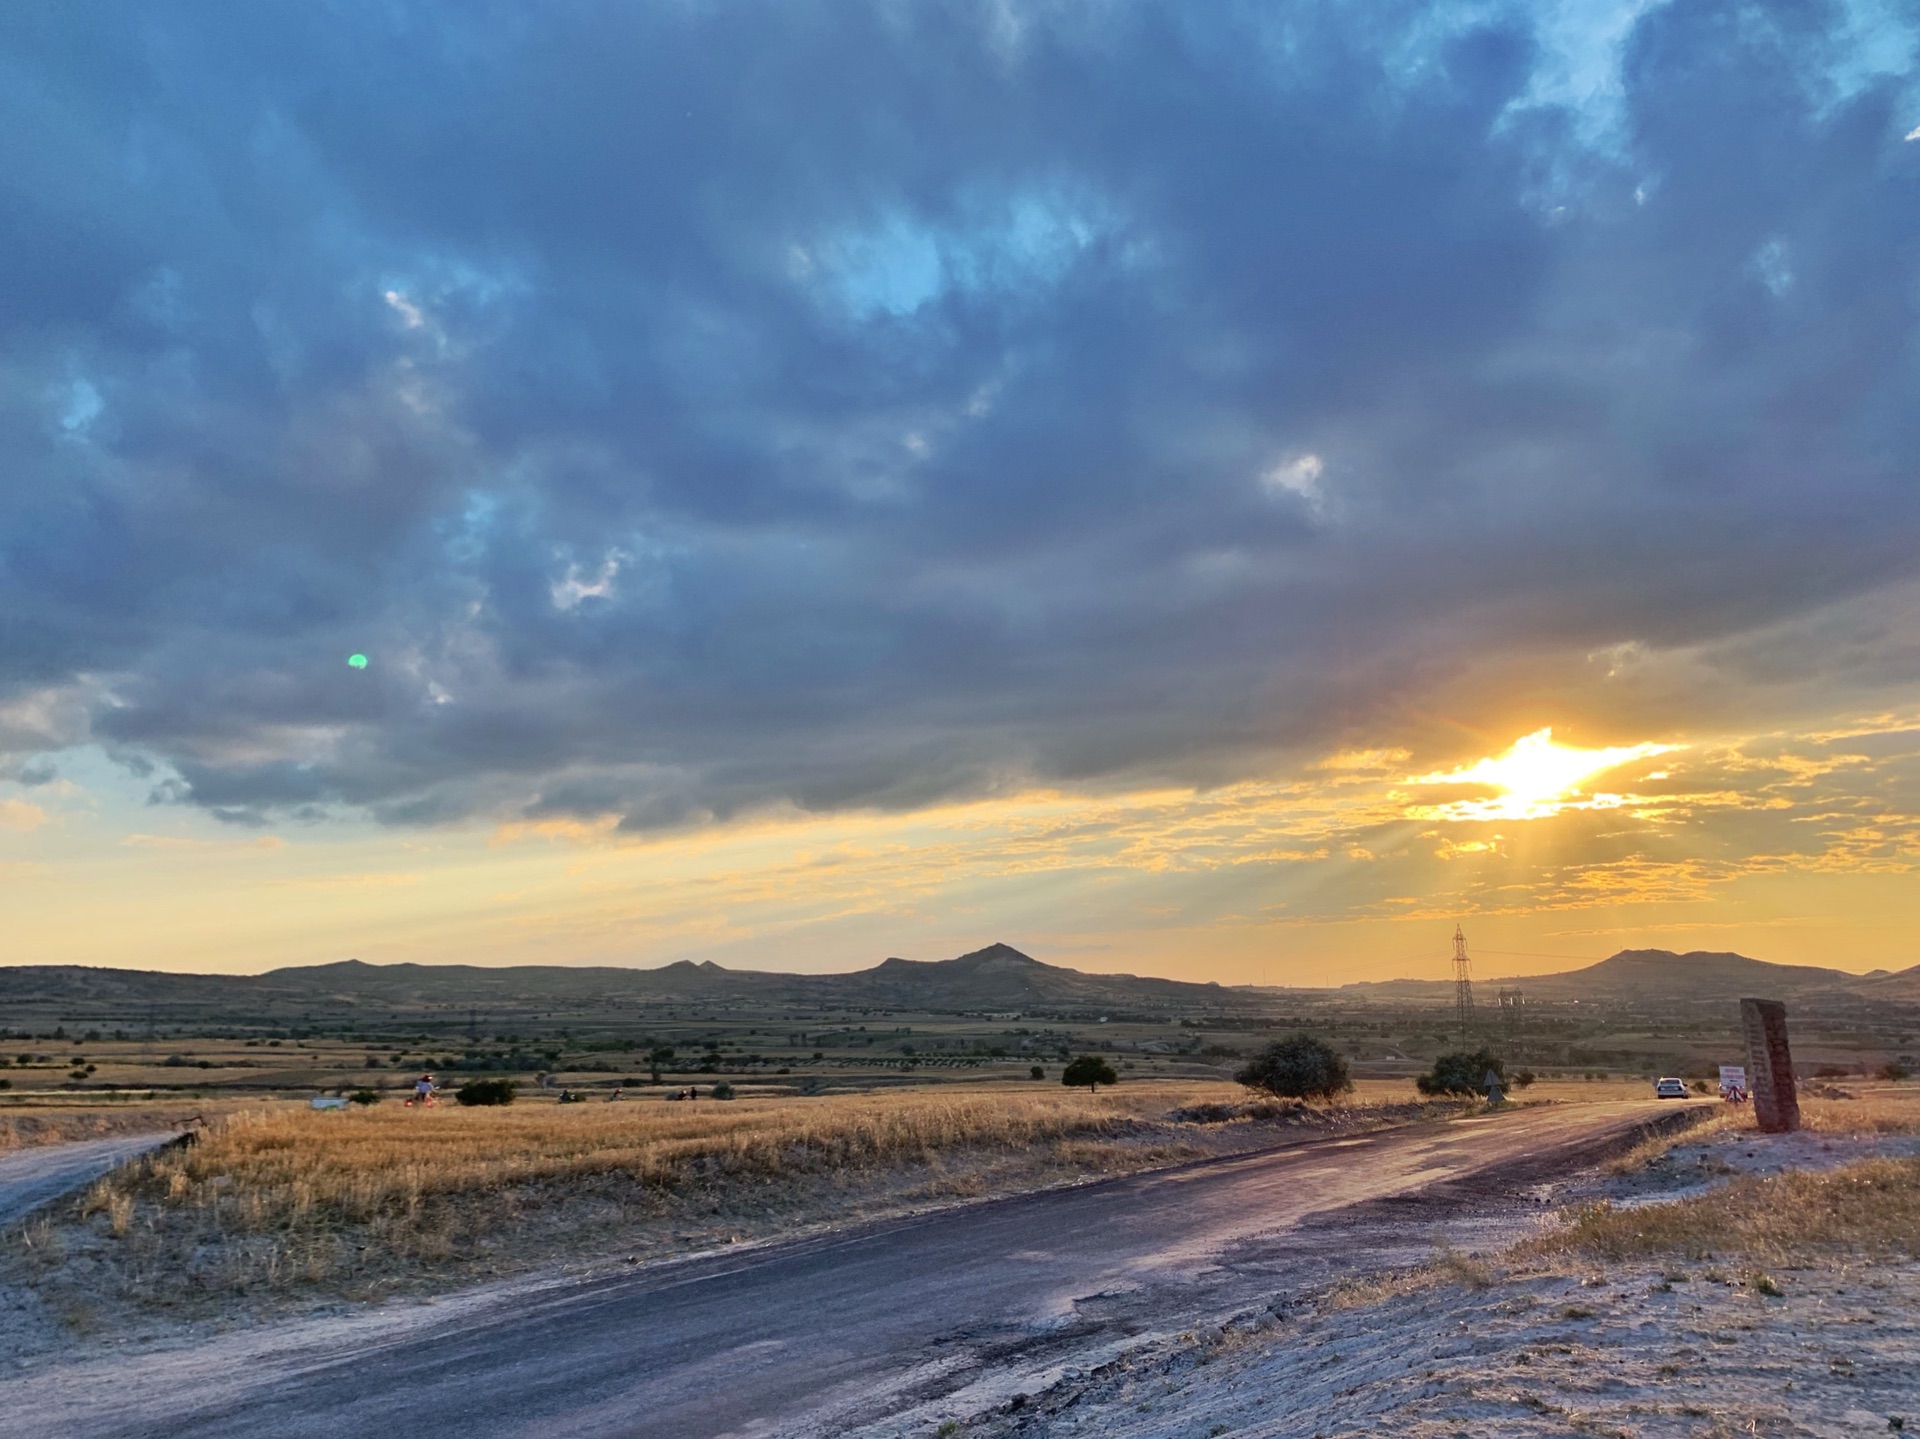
<point>1224,491</point>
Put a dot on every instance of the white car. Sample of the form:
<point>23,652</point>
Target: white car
<point>1670,1088</point>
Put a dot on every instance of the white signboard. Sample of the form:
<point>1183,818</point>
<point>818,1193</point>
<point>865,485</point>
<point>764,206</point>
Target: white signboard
<point>1733,1079</point>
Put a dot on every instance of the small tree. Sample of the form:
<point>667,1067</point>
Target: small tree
<point>1037,1072</point>
<point>1300,1067</point>
<point>486,1091</point>
<point>1090,1070</point>
<point>1461,1073</point>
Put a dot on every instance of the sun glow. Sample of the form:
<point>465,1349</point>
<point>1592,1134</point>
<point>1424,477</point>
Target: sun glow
<point>1535,778</point>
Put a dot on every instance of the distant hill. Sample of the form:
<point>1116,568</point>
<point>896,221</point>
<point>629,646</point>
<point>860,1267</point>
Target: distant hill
<point>1902,987</point>
<point>997,978</point>
<point>1001,977</point>
<point>1655,974</point>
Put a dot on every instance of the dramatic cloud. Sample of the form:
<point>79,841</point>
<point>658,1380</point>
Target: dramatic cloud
<point>693,411</point>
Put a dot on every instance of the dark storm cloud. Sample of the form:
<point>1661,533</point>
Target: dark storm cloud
<point>690,409</point>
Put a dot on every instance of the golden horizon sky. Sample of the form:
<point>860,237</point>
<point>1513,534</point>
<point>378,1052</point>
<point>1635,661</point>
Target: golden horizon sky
<point>1353,867</point>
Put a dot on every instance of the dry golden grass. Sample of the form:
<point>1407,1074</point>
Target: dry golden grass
<point>1448,1267</point>
<point>1872,1206</point>
<point>271,1169</point>
<point>279,1199</point>
<point>359,1203</point>
<point>1877,1109</point>
<point>1880,1110</point>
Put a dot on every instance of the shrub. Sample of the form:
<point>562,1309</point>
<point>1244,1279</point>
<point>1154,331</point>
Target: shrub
<point>1300,1067</point>
<point>1090,1070</point>
<point>486,1091</point>
<point>1037,1072</point>
<point>1524,1078</point>
<point>364,1096</point>
<point>1892,1071</point>
<point>722,1090</point>
<point>1461,1073</point>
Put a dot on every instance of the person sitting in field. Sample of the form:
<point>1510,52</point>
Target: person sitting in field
<point>423,1091</point>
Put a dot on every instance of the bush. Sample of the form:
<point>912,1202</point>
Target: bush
<point>1300,1067</point>
<point>1037,1072</point>
<point>364,1096</point>
<point>486,1091</point>
<point>1524,1078</point>
<point>1892,1071</point>
<point>1461,1073</point>
<point>722,1090</point>
<point>1090,1070</point>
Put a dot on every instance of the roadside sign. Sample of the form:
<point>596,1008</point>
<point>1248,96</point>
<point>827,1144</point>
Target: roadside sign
<point>1733,1080</point>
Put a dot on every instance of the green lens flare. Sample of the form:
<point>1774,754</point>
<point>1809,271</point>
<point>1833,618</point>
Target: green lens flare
<point>359,662</point>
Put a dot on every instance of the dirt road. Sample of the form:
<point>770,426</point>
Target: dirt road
<point>817,1336</point>
<point>30,1178</point>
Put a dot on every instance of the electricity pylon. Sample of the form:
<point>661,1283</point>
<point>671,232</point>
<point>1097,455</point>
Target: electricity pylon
<point>1462,984</point>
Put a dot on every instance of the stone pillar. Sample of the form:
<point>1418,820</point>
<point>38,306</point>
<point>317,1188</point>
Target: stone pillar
<point>1769,1065</point>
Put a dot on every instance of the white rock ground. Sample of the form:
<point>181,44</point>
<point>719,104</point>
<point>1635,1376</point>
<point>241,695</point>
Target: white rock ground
<point>1628,1349</point>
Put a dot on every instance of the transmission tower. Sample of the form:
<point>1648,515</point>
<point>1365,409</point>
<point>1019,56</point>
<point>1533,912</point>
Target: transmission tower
<point>1462,983</point>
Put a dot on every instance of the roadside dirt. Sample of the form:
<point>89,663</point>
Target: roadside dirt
<point>30,1178</point>
<point>29,1130</point>
<point>1629,1349</point>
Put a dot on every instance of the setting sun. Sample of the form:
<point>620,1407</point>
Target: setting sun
<point>1536,777</point>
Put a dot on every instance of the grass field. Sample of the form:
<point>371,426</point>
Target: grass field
<point>278,1168</point>
<point>282,1200</point>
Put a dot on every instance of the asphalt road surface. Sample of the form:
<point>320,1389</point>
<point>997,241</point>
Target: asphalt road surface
<point>815,1336</point>
<point>32,1177</point>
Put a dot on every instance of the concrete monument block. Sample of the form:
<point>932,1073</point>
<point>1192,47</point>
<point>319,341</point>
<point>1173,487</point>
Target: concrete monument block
<point>1769,1065</point>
